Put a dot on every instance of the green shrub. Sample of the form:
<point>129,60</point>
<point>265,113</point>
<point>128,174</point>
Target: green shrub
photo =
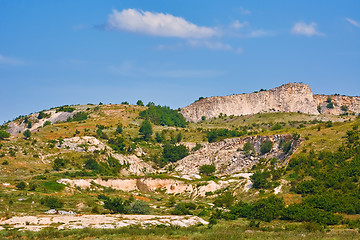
<point>118,144</point>
<point>197,147</point>
<point>52,202</point>
<point>163,116</point>
<point>267,209</point>
<point>146,130</point>
<point>277,126</point>
<point>119,128</point>
<point>259,180</point>
<point>21,185</point>
<point>224,200</point>
<point>65,109</point>
<point>173,153</point>
<point>344,108</point>
<point>266,147</point>
<point>140,103</point>
<point>59,164</point>
<point>286,146</point>
<point>207,169</point>
<point>79,116</point>
<point>247,147</point>
<point>140,207</point>
<point>47,123</point>
<point>27,133</point>
<point>181,209</point>
<point>330,105</point>
<point>4,134</point>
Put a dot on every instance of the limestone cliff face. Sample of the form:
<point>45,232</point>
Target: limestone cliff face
<point>227,158</point>
<point>290,97</point>
<point>341,104</point>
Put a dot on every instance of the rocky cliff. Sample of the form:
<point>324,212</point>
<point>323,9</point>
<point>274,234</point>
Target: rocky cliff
<point>290,97</point>
<point>229,158</point>
<point>340,104</point>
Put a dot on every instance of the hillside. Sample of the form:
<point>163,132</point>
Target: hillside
<point>99,159</point>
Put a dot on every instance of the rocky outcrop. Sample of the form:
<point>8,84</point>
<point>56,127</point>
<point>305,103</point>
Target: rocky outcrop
<point>228,157</point>
<point>290,97</point>
<point>340,104</point>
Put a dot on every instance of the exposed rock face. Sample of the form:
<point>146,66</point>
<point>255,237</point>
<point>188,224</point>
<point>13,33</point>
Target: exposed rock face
<point>290,97</point>
<point>340,104</point>
<point>227,158</point>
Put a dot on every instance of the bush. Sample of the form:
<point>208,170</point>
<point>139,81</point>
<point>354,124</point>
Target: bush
<point>41,115</point>
<point>65,109</point>
<point>52,202</point>
<point>247,147</point>
<point>277,126</point>
<point>115,205</point>
<point>266,146</point>
<point>146,130</point>
<point>224,200</point>
<point>119,128</point>
<point>27,133</point>
<point>173,153</point>
<point>140,207</point>
<point>47,123</point>
<point>267,209</point>
<point>21,185</point>
<point>120,205</point>
<point>344,108</point>
<point>215,135</point>
<point>207,169</point>
<point>286,146</point>
<point>330,105</point>
<point>259,180</point>
<point>4,134</point>
<point>118,144</point>
<point>140,103</point>
<point>79,116</point>
<point>59,164</point>
<point>164,116</point>
<point>181,209</point>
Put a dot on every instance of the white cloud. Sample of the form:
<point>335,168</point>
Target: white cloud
<point>157,24</point>
<point>9,61</point>
<point>237,24</point>
<point>353,22</point>
<point>258,33</point>
<point>301,28</point>
<point>211,45</point>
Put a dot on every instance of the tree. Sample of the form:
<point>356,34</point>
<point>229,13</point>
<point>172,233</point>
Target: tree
<point>247,147</point>
<point>207,169</point>
<point>41,115</point>
<point>259,179</point>
<point>179,137</point>
<point>173,153</point>
<point>266,147</point>
<point>140,103</point>
<point>119,128</point>
<point>27,134</point>
<point>4,134</point>
<point>146,130</point>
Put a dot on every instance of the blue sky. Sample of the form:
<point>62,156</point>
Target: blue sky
<point>54,53</point>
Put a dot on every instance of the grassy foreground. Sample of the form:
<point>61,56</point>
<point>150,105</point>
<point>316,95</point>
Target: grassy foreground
<point>239,229</point>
